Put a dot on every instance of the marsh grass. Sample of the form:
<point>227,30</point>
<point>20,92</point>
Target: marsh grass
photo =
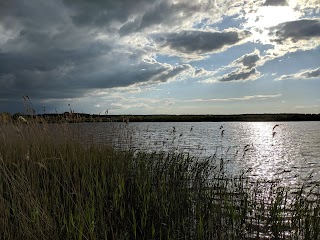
<point>53,187</point>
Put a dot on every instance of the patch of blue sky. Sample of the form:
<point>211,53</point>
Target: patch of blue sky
<point>298,91</point>
<point>263,48</point>
<point>172,60</point>
<point>233,21</point>
<point>189,89</point>
<point>292,63</point>
<point>182,90</point>
<point>202,24</point>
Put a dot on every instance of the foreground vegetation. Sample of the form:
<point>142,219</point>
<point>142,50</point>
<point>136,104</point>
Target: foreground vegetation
<point>52,187</point>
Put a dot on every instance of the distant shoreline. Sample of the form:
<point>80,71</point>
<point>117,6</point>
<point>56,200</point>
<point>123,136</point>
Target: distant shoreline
<point>82,117</point>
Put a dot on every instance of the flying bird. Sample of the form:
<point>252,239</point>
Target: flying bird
<point>275,127</point>
<point>274,132</point>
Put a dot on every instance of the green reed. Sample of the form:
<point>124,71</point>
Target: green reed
<point>52,187</point>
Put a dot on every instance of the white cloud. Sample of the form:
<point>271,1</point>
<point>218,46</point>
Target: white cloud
<point>239,75</point>
<point>302,75</point>
<point>299,35</point>
<point>244,98</point>
<point>248,60</point>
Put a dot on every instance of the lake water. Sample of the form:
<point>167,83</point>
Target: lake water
<point>270,150</point>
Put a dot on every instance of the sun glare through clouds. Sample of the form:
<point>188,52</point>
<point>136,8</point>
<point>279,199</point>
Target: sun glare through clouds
<point>266,17</point>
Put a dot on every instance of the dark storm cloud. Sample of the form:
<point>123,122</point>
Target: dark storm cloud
<point>45,71</point>
<point>134,15</point>
<point>53,84</point>
<point>240,75</point>
<point>41,16</point>
<point>162,12</point>
<point>275,3</point>
<point>303,29</point>
<point>59,73</point>
<point>201,42</point>
<point>135,74</point>
<point>102,12</point>
<point>167,12</point>
<point>49,59</point>
<point>306,74</point>
<point>74,79</point>
<point>129,27</point>
<point>52,50</point>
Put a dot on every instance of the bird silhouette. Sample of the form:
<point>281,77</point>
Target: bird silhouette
<point>277,125</point>
<point>222,132</point>
<point>274,132</point>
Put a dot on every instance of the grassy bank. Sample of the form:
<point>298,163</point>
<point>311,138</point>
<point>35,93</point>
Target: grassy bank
<point>52,187</point>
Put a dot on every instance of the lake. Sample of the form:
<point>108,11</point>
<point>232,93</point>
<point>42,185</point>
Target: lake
<point>268,150</point>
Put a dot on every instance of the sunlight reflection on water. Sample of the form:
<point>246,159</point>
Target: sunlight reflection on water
<point>268,157</point>
<point>285,150</point>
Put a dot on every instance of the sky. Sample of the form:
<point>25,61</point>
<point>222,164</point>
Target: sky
<point>160,56</point>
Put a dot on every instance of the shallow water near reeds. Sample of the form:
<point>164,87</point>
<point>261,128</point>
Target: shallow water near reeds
<point>289,151</point>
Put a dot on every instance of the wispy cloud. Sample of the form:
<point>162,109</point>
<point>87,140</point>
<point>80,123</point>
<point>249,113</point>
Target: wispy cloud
<point>244,98</point>
<point>302,75</point>
<point>239,75</point>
